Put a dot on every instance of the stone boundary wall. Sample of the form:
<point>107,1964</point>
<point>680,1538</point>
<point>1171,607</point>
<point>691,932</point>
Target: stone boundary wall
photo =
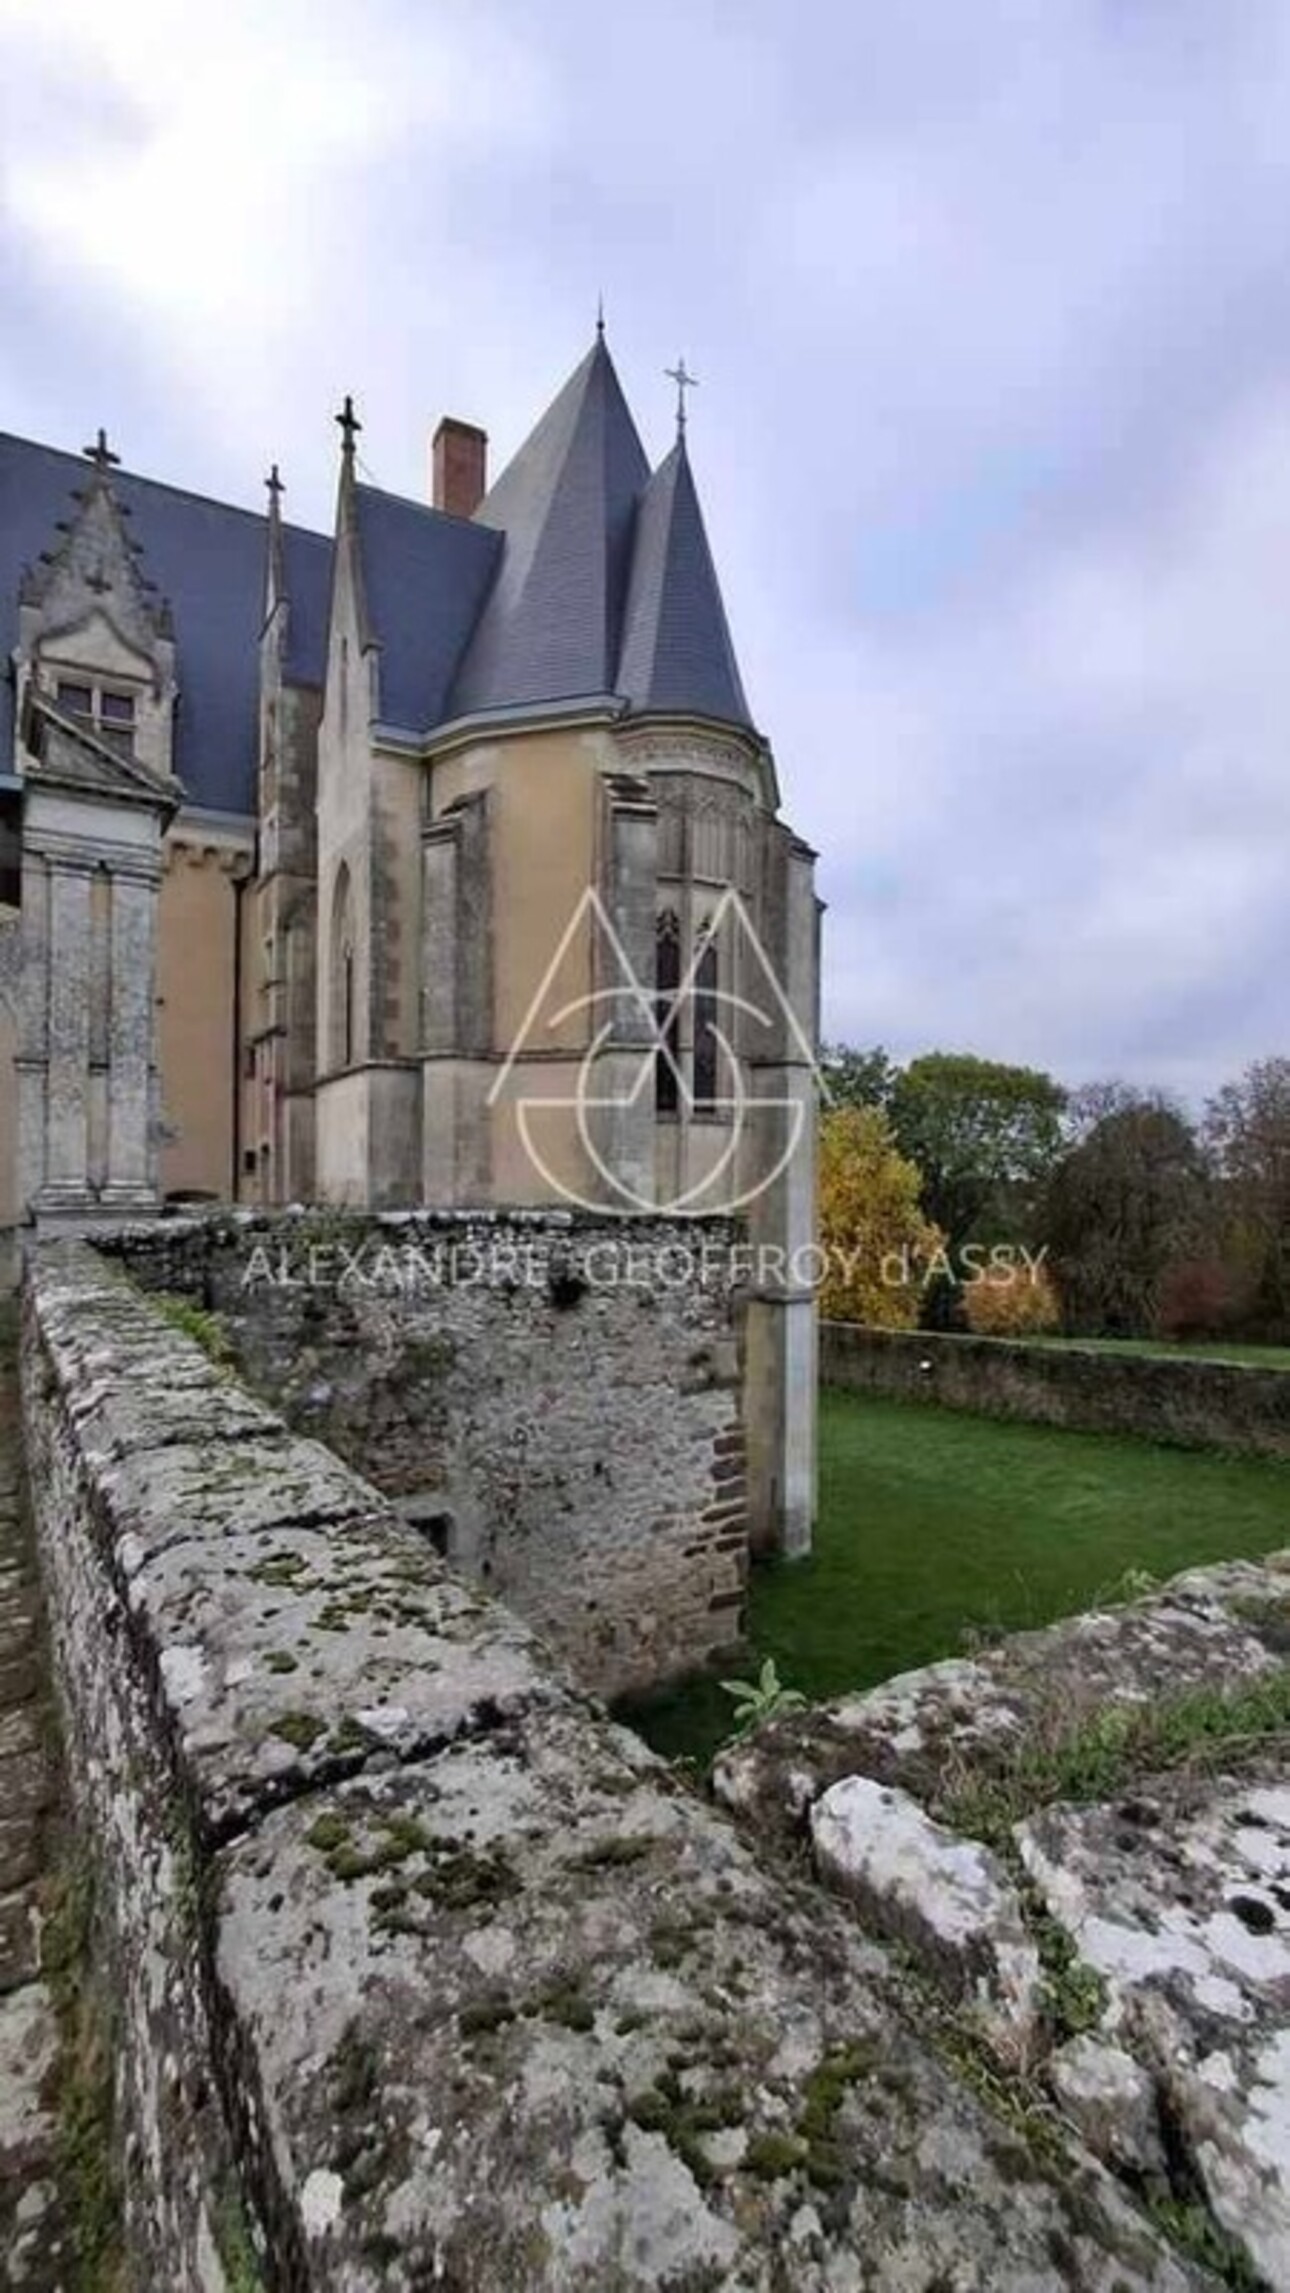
<point>428,1975</point>
<point>1082,1835</point>
<point>1191,1404</point>
<point>562,1417</point>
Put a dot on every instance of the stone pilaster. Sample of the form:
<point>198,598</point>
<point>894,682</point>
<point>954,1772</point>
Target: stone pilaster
<point>457,1004</point>
<point>87,1056</point>
<point>621,1114</point>
<point>780,1329</point>
<point>65,1183</point>
<point>32,1057</point>
<point>131,1145</point>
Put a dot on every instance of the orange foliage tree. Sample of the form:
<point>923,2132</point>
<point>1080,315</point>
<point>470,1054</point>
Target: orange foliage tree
<point>1018,1301</point>
<point>875,1237</point>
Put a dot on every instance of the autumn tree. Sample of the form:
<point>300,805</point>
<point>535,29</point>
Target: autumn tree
<point>1019,1301</point>
<point>1247,1137</point>
<point>1126,1204</point>
<point>871,1226</point>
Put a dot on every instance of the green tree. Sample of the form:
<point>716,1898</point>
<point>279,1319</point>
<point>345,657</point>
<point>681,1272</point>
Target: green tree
<point>1124,1206</point>
<point>858,1078</point>
<point>983,1134</point>
<point>1247,1137</point>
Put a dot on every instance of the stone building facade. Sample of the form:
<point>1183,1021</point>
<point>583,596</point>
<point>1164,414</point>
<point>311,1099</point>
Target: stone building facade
<point>438,860</point>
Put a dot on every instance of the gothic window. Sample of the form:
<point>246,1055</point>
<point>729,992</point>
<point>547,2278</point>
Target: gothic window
<point>667,981</point>
<point>705,1024</point>
<point>342,972</point>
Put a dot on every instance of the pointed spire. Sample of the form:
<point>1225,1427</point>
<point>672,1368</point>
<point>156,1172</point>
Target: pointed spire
<point>565,504</point>
<point>677,656</point>
<point>275,571</point>
<point>97,562</point>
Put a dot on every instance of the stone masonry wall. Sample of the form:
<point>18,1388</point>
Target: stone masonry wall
<point>562,1417</point>
<point>427,1975</point>
<point>1082,1836</point>
<point>1192,1404</point>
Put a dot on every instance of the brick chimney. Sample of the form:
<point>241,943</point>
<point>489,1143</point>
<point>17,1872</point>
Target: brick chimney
<point>458,467</point>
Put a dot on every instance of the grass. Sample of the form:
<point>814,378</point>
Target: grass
<point>1167,1349</point>
<point>937,1528</point>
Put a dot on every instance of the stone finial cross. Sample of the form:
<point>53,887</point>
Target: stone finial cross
<point>349,425</point>
<point>684,381</point>
<point>275,486</point>
<point>101,454</point>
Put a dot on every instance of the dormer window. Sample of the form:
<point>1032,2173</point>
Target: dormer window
<point>107,714</point>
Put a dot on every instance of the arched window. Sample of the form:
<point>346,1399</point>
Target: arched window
<point>667,981</point>
<point>341,973</point>
<point>705,1024</point>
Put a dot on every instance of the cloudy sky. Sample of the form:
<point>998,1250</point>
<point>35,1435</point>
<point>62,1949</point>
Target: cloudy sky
<point>991,310</point>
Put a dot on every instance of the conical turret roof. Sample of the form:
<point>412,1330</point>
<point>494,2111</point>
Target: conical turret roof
<point>677,653</point>
<point>566,504</point>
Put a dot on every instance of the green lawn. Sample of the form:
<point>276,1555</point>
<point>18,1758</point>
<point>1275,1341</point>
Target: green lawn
<point>1163,1349</point>
<point>936,1526</point>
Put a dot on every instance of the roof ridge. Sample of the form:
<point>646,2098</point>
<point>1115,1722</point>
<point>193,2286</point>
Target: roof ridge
<point>162,485</point>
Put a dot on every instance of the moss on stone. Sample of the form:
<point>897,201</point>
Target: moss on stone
<point>329,1832</point>
<point>486,2014</point>
<point>299,1729</point>
<point>88,2169</point>
<point>205,1329</point>
<point>234,2242</point>
<point>566,2003</point>
<point>683,2118</point>
<point>461,1878</point>
<point>608,1853</point>
<point>823,2094</point>
<point>769,2156</point>
<point>279,1569</point>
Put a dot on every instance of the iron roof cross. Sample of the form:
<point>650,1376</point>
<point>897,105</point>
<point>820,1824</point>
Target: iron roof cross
<point>684,381</point>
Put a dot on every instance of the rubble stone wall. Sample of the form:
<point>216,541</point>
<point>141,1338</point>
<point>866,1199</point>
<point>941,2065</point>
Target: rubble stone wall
<point>555,1398</point>
<point>426,1973</point>
<point>1192,1404</point>
<point>1082,1835</point>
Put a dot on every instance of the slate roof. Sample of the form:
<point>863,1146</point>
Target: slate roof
<point>566,505</point>
<point>676,652</point>
<point>425,577</point>
<point>208,560</point>
<point>306,561</point>
<point>579,576</point>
